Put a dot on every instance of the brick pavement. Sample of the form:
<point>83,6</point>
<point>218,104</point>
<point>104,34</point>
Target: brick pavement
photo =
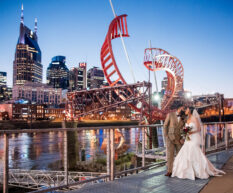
<point>153,180</point>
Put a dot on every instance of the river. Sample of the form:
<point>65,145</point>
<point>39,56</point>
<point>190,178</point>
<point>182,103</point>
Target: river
<point>40,151</point>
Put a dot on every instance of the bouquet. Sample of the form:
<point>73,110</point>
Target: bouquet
<point>185,132</point>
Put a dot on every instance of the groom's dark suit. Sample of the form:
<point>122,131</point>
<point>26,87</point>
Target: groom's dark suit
<point>172,132</point>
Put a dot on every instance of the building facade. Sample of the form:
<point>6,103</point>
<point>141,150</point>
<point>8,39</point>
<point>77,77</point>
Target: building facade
<point>16,111</point>
<point>22,111</point>
<point>5,91</point>
<point>164,84</point>
<point>3,77</point>
<point>58,73</point>
<point>78,77</point>
<point>95,78</point>
<point>27,65</point>
<point>38,93</point>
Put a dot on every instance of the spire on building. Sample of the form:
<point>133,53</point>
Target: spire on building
<point>22,14</point>
<point>35,29</point>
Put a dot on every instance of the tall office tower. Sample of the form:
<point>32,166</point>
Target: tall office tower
<point>78,77</point>
<point>83,66</point>
<point>5,92</point>
<point>27,65</point>
<point>95,78</point>
<point>3,78</point>
<point>58,73</point>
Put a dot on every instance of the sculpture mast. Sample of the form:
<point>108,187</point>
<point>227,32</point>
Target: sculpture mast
<point>123,44</point>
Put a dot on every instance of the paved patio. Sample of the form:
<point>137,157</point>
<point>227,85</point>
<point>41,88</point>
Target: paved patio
<point>223,184</point>
<point>153,180</point>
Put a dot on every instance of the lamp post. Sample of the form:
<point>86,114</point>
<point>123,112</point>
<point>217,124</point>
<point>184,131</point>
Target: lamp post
<point>221,109</point>
<point>157,98</point>
<point>30,111</point>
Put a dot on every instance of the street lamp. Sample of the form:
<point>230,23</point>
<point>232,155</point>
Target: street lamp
<point>156,97</point>
<point>188,95</point>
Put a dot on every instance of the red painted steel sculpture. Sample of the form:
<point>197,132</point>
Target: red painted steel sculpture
<point>155,59</point>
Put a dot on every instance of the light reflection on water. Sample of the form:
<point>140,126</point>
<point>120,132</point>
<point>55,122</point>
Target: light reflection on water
<point>45,150</point>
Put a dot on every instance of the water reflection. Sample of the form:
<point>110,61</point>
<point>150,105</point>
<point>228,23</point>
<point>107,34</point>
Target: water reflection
<point>46,150</point>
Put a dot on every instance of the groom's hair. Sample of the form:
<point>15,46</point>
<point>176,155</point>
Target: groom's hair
<point>176,105</point>
<point>179,105</point>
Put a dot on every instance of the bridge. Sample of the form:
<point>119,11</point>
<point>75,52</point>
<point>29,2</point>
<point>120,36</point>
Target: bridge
<point>84,102</point>
<point>37,179</point>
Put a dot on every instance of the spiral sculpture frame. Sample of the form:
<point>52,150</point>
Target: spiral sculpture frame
<point>154,59</point>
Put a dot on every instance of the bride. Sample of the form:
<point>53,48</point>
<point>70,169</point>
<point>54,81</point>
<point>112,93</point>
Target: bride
<point>190,161</point>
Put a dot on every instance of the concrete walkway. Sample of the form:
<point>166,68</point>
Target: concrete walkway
<point>222,184</point>
<point>154,181</point>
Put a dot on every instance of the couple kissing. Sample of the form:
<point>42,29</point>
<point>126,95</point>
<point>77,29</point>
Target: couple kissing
<point>190,162</point>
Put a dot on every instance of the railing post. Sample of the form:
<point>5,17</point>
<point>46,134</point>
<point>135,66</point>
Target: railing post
<point>216,136</point>
<point>208,141</point>
<point>203,140</point>
<point>6,169</point>
<point>112,171</point>
<point>66,158</point>
<point>226,136</point>
<point>164,141</point>
<point>108,152</point>
<point>143,146</point>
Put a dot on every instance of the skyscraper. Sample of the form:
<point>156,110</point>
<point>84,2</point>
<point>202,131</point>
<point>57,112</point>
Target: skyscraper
<point>58,73</point>
<point>5,91</point>
<point>78,77</point>
<point>95,78</point>
<point>3,78</point>
<point>27,65</point>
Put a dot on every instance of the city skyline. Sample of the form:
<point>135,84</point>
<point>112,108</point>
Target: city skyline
<point>198,33</point>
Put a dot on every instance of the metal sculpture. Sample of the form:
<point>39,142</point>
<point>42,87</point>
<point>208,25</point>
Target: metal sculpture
<point>157,60</point>
<point>84,102</point>
<point>111,71</point>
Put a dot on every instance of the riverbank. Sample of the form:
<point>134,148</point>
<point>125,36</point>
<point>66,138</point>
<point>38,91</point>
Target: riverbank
<point>20,124</point>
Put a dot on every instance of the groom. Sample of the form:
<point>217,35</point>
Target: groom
<point>173,124</point>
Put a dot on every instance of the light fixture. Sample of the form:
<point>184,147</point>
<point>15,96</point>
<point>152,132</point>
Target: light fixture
<point>156,97</point>
<point>188,95</point>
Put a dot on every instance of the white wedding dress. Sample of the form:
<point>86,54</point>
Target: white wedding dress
<point>191,162</point>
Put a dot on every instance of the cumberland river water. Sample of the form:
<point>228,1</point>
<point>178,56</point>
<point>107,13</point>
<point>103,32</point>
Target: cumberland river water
<point>45,150</point>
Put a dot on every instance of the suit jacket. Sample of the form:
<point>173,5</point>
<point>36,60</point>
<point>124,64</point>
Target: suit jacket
<point>172,128</point>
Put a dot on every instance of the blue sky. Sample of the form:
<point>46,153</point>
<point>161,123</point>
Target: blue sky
<point>198,32</point>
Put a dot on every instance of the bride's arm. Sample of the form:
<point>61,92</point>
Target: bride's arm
<point>198,127</point>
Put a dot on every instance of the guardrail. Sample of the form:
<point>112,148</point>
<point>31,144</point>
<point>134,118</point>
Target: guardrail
<point>216,136</point>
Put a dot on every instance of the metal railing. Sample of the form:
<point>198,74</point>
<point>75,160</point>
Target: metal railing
<point>216,136</point>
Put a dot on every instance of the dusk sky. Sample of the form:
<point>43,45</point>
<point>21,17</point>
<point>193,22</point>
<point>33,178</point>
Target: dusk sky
<point>198,32</point>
